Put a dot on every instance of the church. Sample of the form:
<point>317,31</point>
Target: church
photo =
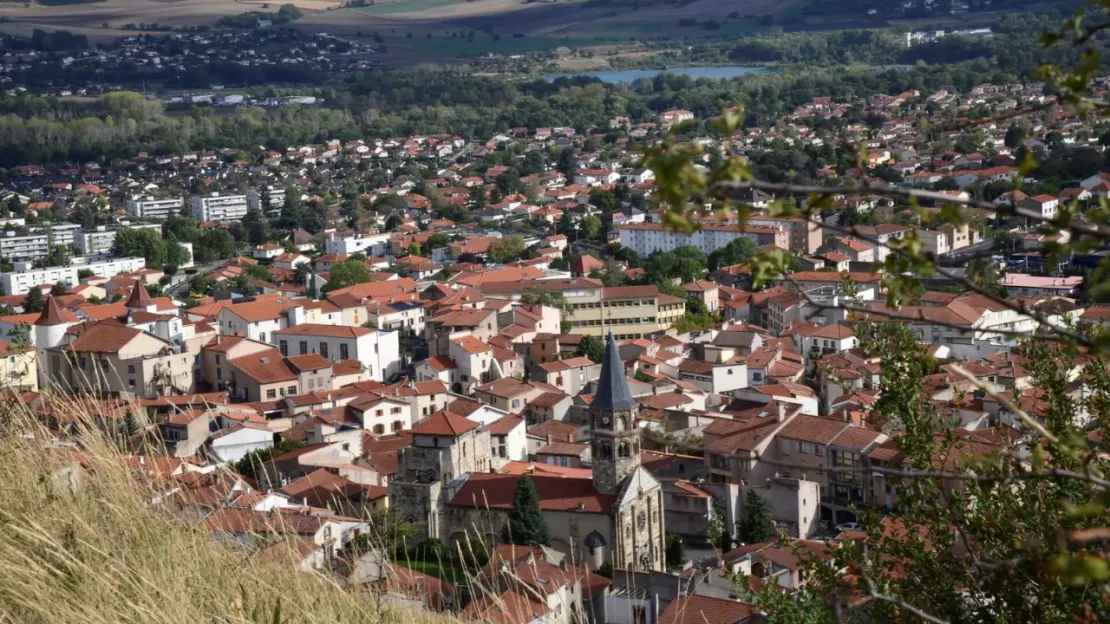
<point>612,515</point>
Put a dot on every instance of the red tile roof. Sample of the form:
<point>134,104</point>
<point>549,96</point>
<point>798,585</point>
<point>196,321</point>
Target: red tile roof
<point>705,610</point>
<point>556,493</point>
<point>445,423</point>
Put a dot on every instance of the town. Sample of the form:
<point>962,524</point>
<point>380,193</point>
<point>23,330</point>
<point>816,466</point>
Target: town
<point>300,347</point>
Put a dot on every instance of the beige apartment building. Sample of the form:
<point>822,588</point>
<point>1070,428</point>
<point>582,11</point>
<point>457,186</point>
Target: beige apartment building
<point>631,311</point>
<point>121,361</point>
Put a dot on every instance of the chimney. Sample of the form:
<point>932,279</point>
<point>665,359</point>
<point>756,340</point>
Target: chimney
<point>780,414</point>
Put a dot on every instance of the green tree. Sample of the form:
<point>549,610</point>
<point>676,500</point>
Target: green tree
<point>984,273</point>
<point>435,241</point>
<point>58,289</point>
<point>526,525</point>
<point>675,551</point>
<point>251,463</point>
<point>592,347</point>
<point>144,243</point>
<point>737,251</point>
<point>1015,136</point>
<point>506,249</point>
<point>591,226</point>
<point>757,525</point>
<point>344,274</point>
<point>34,302</point>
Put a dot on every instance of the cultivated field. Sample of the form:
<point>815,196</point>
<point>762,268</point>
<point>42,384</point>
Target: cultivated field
<point>498,26</point>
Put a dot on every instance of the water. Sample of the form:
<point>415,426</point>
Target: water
<point>628,75</point>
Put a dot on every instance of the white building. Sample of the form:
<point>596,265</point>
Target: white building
<point>369,244</point>
<point>233,444</point>
<point>648,238</point>
<point>378,351</point>
<point>27,246</point>
<point>101,240</point>
<point>153,207</point>
<point>19,282</point>
<point>216,207</point>
<point>258,200</point>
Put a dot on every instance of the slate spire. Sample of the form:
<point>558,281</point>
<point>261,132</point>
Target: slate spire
<point>612,386</point>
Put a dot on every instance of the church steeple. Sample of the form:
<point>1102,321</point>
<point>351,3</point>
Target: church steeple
<point>615,439</point>
<point>612,387</point>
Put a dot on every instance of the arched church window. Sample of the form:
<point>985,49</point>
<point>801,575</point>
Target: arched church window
<point>622,421</point>
<point>624,449</point>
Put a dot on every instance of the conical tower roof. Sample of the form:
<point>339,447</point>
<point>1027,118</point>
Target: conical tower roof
<point>55,314</point>
<point>139,298</point>
<point>612,387</point>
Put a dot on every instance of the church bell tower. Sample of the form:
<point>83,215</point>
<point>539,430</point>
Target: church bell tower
<point>615,444</point>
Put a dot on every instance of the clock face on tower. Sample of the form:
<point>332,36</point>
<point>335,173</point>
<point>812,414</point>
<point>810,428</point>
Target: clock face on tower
<point>605,420</point>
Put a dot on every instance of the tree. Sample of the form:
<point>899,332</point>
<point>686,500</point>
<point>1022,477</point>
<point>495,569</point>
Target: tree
<point>344,274</point>
<point>506,249</point>
<point>592,347</point>
<point>757,525</point>
<point>250,464</point>
<point>34,302</point>
<point>435,241</point>
<point>716,532</point>
<point>675,551</point>
<point>591,226</point>
<point>737,251</point>
<point>526,525</point>
<point>58,289</point>
<point>256,228</point>
<point>1015,136</point>
<point>984,273</point>
<point>145,243</point>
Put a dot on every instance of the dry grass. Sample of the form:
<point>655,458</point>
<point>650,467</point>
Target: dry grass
<point>81,542</point>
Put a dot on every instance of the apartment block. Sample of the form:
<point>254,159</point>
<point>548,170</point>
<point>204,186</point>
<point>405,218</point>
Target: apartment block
<point>268,200</point>
<point>369,244</point>
<point>631,311</point>
<point>101,240</point>
<point>154,207</point>
<point>648,238</point>
<point>216,207</point>
<point>19,282</point>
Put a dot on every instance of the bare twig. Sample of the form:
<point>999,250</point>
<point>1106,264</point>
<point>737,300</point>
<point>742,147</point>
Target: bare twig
<point>898,602</point>
<point>1007,403</point>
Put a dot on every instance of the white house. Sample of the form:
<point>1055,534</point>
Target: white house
<point>232,444</point>
<point>377,350</point>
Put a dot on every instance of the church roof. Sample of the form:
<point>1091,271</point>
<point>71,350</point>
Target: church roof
<point>612,387</point>
<point>495,491</point>
<point>54,314</point>
<point>139,298</point>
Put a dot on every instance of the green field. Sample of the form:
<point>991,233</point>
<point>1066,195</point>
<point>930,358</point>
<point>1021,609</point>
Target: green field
<point>405,6</point>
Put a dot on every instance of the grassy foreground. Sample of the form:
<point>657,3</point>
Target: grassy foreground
<point>85,544</point>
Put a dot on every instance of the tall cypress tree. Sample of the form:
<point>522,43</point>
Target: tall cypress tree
<point>758,524</point>
<point>526,525</point>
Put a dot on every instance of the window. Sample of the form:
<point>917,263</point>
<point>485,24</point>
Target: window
<point>516,403</point>
<point>219,373</point>
<point>377,412</point>
<point>130,369</point>
<point>262,336</point>
<point>291,390</point>
<point>395,410</point>
<point>304,347</point>
<point>343,354</point>
<point>397,425</point>
<point>271,394</point>
<point>324,350</point>
<point>218,359</point>
<point>131,383</point>
<point>283,346</point>
<point>379,429</point>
